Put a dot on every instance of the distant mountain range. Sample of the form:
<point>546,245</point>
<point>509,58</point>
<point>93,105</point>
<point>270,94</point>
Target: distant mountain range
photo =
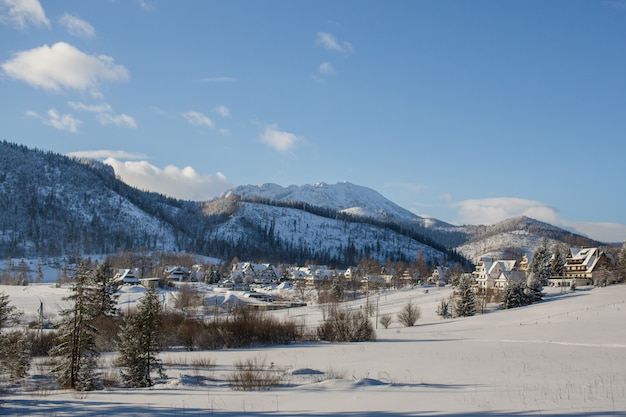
<point>53,205</point>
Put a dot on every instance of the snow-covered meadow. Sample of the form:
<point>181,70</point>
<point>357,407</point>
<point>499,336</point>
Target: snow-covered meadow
<point>565,356</point>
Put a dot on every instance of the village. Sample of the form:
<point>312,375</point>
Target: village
<point>582,267</point>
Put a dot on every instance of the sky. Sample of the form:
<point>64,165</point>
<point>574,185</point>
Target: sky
<point>467,111</point>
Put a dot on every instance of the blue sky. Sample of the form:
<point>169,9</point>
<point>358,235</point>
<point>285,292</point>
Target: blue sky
<point>467,111</point>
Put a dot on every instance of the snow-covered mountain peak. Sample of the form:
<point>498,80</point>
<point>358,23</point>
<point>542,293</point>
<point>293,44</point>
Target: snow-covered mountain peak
<point>341,197</point>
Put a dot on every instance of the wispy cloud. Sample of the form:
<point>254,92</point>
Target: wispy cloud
<point>105,114</point>
<point>279,140</point>
<point>326,68</point>
<point>493,210</point>
<point>184,183</point>
<point>76,26</point>
<point>197,119</point>
<point>147,6</point>
<point>105,153</point>
<point>222,111</point>
<point>62,66</point>
<point>329,42</point>
<point>21,13</point>
<point>58,121</point>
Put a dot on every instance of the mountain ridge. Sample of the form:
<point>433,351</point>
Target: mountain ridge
<point>52,204</point>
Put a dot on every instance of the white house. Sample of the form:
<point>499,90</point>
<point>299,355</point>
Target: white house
<point>498,273</point>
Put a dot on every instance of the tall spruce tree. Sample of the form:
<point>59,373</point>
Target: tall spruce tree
<point>514,296</point>
<point>14,345</point>
<point>140,344</point>
<point>540,265</point>
<point>106,290</point>
<point>76,368</point>
<point>540,271</point>
<point>557,265</point>
<point>465,298</point>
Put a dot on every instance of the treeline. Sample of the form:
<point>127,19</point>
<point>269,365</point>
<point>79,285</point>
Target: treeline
<point>54,205</point>
<point>410,231</point>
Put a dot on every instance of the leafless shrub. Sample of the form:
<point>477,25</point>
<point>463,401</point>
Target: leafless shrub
<point>343,325</point>
<point>41,342</point>
<point>409,315</point>
<point>107,336</point>
<point>385,320</point>
<point>253,375</point>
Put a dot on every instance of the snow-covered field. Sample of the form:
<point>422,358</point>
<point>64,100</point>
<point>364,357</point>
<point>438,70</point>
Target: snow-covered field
<point>565,356</point>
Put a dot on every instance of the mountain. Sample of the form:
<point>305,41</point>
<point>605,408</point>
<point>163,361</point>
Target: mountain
<point>517,235</point>
<point>53,205</point>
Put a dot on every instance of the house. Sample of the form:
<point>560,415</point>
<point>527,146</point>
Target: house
<point>177,273</point>
<point>499,273</point>
<point>126,277</point>
<point>439,276</point>
<point>254,273</point>
<point>586,266</point>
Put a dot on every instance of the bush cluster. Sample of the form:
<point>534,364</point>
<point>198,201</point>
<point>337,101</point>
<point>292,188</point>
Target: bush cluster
<point>245,328</point>
<point>253,375</point>
<point>343,325</point>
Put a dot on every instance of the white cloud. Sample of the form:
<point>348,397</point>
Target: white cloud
<point>145,5</point>
<point>222,111</point>
<point>105,114</point>
<point>493,210</point>
<point>104,153</point>
<point>62,66</point>
<point>328,41</point>
<point>279,139</point>
<point>602,231</point>
<point>197,119</point>
<point>20,13</point>
<point>184,183</point>
<point>76,26</point>
<point>326,68</point>
<point>58,121</point>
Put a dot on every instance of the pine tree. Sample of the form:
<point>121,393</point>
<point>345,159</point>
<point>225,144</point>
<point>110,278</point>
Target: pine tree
<point>534,289</point>
<point>75,347</point>
<point>106,290</point>
<point>557,265</point>
<point>514,296</point>
<point>540,266</point>
<point>8,313</point>
<point>622,262</point>
<point>139,347</point>
<point>465,298</point>
<point>14,345</point>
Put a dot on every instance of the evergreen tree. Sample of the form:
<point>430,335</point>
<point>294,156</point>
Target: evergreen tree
<point>514,296</point>
<point>140,346</point>
<point>75,347</point>
<point>557,265</point>
<point>8,313</point>
<point>534,289</point>
<point>106,290</point>
<point>337,289</point>
<point>540,266</point>
<point>465,298</point>
<point>14,345</point>
<point>622,262</point>
<point>15,353</point>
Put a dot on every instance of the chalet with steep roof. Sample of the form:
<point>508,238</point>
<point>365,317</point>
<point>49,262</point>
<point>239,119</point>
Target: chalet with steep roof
<point>498,273</point>
<point>586,266</point>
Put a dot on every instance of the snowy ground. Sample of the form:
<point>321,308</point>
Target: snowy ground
<point>565,356</point>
